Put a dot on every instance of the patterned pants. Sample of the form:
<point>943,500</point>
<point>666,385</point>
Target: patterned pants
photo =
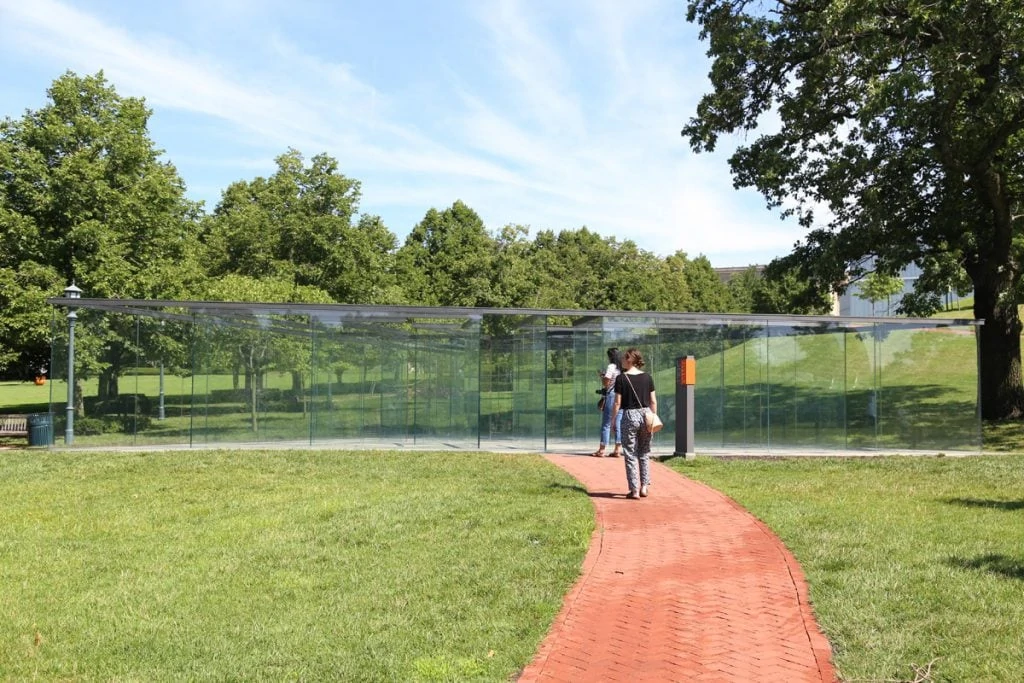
<point>636,447</point>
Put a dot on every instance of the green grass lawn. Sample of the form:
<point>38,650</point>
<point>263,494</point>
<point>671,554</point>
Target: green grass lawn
<point>311,565</point>
<point>910,561</point>
<point>441,566</point>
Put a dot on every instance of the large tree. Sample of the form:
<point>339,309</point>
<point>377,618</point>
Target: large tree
<point>448,259</point>
<point>299,225</point>
<point>904,119</point>
<point>85,197</point>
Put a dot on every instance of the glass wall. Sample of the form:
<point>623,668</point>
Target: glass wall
<point>195,374</point>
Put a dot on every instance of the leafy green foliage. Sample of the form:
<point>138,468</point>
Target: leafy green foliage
<point>878,286</point>
<point>784,289</point>
<point>448,259</point>
<point>709,293</point>
<point>84,197</point>
<point>298,226</point>
<point>903,120</point>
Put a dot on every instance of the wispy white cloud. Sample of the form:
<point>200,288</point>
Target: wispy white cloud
<point>323,116</point>
<point>576,123</point>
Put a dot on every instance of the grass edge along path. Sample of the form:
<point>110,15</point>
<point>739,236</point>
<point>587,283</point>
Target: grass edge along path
<point>914,564</point>
<point>282,565</point>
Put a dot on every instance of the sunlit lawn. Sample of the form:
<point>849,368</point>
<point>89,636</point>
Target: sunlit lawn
<point>282,566</point>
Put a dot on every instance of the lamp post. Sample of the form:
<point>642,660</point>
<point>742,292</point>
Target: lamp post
<point>160,413</point>
<point>71,292</point>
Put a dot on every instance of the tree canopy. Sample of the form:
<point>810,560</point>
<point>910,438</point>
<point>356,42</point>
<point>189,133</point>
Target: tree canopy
<point>901,137</point>
<point>299,225</point>
<point>85,197</point>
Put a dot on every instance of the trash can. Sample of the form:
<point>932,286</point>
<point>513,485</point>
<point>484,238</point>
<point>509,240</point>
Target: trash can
<point>40,430</point>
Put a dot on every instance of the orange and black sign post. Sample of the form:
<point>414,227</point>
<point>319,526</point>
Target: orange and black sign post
<point>686,380</point>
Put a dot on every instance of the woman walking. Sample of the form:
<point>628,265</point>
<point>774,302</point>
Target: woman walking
<point>608,377</point>
<point>634,391</point>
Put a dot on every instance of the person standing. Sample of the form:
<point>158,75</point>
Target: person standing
<point>634,391</point>
<point>608,415</point>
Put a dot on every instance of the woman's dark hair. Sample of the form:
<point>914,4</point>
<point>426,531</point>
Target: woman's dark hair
<point>615,356</point>
<point>635,358</point>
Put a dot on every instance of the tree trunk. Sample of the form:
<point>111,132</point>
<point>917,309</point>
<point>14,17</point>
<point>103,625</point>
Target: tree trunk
<point>1002,395</point>
<point>253,388</point>
<point>298,390</point>
<point>79,397</point>
<point>108,386</point>
<point>996,274</point>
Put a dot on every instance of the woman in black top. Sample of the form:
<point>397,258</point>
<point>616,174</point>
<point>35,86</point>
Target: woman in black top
<point>634,391</point>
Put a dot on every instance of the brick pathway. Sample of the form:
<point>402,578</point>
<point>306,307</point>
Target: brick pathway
<point>684,585</point>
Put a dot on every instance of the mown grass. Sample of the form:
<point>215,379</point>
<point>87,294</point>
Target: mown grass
<point>239,565</point>
<point>910,561</point>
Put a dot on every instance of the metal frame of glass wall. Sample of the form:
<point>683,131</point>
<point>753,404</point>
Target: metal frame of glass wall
<point>206,373</point>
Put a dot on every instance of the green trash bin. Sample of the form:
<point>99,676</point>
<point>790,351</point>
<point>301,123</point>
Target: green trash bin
<point>40,430</point>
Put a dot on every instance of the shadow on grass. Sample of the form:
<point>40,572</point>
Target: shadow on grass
<point>993,563</point>
<point>568,487</point>
<point>983,503</point>
<point>917,416</point>
<point>1004,436</point>
<point>25,408</point>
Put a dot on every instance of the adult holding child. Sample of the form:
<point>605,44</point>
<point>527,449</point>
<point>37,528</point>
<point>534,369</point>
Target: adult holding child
<point>634,392</point>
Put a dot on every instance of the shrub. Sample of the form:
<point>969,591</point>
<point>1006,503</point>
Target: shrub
<point>136,423</point>
<point>91,426</point>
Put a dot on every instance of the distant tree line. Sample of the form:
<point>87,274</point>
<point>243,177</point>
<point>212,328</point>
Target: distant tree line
<point>86,196</point>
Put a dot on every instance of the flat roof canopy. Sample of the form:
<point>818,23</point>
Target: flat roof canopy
<point>459,316</point>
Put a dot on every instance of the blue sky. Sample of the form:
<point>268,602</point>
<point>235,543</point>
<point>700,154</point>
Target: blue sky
<point>553,115</point>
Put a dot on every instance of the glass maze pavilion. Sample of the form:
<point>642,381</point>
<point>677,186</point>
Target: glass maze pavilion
<point>204,373</point>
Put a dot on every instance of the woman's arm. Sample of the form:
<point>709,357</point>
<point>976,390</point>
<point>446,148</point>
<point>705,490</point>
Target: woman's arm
<point>654,402</point>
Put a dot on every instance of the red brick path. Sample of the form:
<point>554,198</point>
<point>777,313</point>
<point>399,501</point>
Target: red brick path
<point>682,586</point>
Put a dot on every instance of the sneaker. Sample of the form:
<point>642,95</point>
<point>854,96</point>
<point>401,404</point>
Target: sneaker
<point>643,491</point>
<point>634,495</point>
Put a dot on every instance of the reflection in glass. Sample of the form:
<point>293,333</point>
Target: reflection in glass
<point>402,377</point>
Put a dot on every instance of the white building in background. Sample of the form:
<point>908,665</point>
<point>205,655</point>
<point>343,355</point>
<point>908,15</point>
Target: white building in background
<point>849,303</point>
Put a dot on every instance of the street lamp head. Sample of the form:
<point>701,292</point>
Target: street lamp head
<point>72,292</point>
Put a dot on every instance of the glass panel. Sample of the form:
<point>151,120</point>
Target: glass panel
<point>161,381</point>
<point>928,382</point>
<point>861,369</point>
<point>349,371</point>
<point>744,378</point>
<point>806,382</point>
<point>563,423</point>
<point>457,378</point>
<point>513,382</point>
<point>252,373</point>
<point>443,375</point>
<point>590,355</point>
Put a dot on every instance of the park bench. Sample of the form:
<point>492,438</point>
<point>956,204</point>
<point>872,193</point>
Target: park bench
<point>13,425</point>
